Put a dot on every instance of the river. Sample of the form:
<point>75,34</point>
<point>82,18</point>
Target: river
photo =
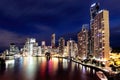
<point>41,68</point>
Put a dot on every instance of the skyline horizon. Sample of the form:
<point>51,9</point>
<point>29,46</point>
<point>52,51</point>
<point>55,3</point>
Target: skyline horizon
<point>40,25</point>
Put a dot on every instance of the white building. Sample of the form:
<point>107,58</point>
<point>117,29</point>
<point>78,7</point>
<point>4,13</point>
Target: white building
<point>72,48</point>
<point>30,47</point>
<point>13,49</point>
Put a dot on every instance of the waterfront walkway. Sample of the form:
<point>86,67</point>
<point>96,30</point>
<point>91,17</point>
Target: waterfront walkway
<point>111,75</point>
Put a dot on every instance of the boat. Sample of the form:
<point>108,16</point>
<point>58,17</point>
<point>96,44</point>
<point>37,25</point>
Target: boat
<point>101,75</point>
<point>9,57</point>
<point>17,56</point>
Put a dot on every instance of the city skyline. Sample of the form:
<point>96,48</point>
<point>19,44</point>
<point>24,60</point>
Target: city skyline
<point>23,19</point>
<point>86,50</point>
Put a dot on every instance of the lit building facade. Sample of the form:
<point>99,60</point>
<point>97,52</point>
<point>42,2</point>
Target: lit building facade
<point>65,52</point>
<point>43,47</point>
<point>43,44</point>
<point>39,51</point>
<point>61,45</point>
<point>13,49</point>
<point>99,32</point>
<point>83,42</point>
<point>30,47</point>
<point>94,9</point>
<point>72,48</point>
<point>53,40</point>
<point>35,49</point>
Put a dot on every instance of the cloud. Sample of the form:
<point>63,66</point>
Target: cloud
<point>115,36</point>
<point>39,18</point>
<point>55,14</point>
<point>43,28</point>
<point>7,37</point>
<point>115,29</point>
<point>23,8</point>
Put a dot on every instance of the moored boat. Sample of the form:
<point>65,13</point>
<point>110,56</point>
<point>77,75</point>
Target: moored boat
<point>9,57</point>
<point>101,75</point>
<point>17,56</point>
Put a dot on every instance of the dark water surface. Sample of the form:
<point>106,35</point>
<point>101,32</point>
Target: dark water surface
<point>40,68</point>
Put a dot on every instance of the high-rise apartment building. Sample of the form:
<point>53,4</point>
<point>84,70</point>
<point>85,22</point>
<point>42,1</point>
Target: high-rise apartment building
<point>83,42</point>
<point>13,49</point>
<point>53,40</point>
<point>61,45</point>
<point>99,32</point>
<point>43,44</point>
<point>30,47</point>
<point>94,10</point>
<point>72,48</point>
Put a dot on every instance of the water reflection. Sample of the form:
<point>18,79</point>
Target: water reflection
<point>9,64</point>
<point>65,64</point>
<point>42,68</point>
<point>2,69</point>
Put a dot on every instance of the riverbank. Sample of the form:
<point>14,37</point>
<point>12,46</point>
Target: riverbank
<point>111,75</point>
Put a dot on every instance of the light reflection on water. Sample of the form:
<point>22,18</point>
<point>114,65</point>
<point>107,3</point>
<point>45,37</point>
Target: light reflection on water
<point>65,64</point>
<point>29,67</point>
<point>41,68</point>
<point>9,64</point>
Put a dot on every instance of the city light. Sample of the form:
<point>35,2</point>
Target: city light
<point>87,53</point>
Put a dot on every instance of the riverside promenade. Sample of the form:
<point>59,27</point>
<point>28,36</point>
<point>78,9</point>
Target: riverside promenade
<point>111,75</point>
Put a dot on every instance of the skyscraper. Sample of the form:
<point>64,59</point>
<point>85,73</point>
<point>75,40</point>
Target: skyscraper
<point>83,42</point>
<point>61,45</point>
<point>43,44</point>
<point>13,49</point>
<point>30,46</point>
<point>100,33</point>
<point>53,44</point>
<point>94,10</point>
<point>53,40</point>
<point>72,48</point>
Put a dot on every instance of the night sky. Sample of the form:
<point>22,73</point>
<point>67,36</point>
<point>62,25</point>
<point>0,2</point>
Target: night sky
<point>20,19</point>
